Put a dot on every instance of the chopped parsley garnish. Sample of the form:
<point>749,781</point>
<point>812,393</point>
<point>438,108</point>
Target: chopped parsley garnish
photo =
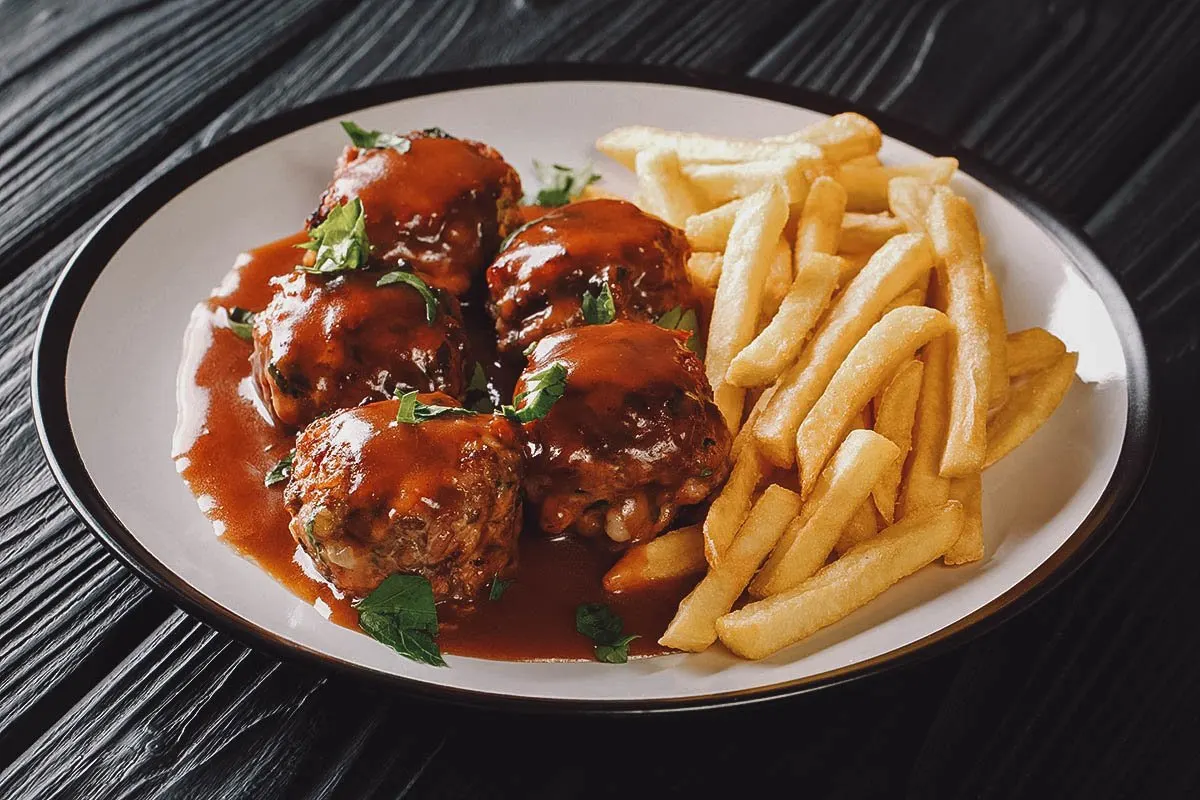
<point>544,388</point>
<point>599,309</point>
<point>340,242</point>
<point>598,622</point>
<point>241,322</point>
<point>368,139</point>
<point>478,397</point>
<point>411,279</point>
<point>281,471</point>
<point>681,319</point>
<point>413,412</point>
<point>562,184</point>
<point>401,614</point>
<point>499,586</point>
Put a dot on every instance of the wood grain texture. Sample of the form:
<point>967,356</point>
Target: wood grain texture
<point>1088,694</point>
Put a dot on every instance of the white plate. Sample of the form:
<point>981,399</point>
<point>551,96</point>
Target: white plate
<point>109,349</point>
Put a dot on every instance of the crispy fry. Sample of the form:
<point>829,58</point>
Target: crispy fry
<point>913,297</point>
<point>777,283</point>
<point>694,625</point>
<point>746,434</point>
<point>675,554</point>
<point>844,484</point>
<point>867,187</point>
<point>594,192</point>
<point>969,546</point>
<point>821,219</point>
<point>955,238</point>
<point>864,573</point>
<point>923,486</point>
<point>864,161</point>
<point>662,187</point>
<point>720,183</point>
<point>705,269</point>
<point>909,199</point>
<point>623,145</point>
<point>778,345</point>
<point>852,264</point>
<point>894,267</point>
<point>866,233</point>
<point>710,230</point>
<point>728,511</point>
<point>1033,350</point>
<point>863,525</point>
<point>840,137</point>
<point>876,357</point>
<point>895,410</point>
<point>997,333</point>
<point>738,301</point>
<point>1030,403</point>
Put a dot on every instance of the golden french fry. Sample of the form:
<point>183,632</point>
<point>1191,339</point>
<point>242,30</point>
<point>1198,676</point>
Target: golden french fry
<point>876,357</point>
<point>863,525</point>
<point>844,484</point>
<point>675,554</point>
<point>710,230</point>
<point>821,219</point>
<point>694,625</point>
<point>909,199</point>
<point>746,434</point>
<point>840,137</point>
<point>1030,403</point>
<point>861,575</point>
<point>623,145</point>
<point>866,233</point>
<point>867,187</point>
<point>594,192</point>
<point>728,511</point>
<point>955,237</point>
<point>1033,350</point>
<point>895,410</point>
<point>720,183</point>
<point>864,161</point>
<point>662,187</point>
<point>892,269</point>
<point>778,345</point>
<point>738,300</point>
<point>997,333</point>
<point>704,269</point>
<point>777,284</point>
<point>969,545</point>
<point>852,264</point>
<point>913,297</point>
<point>923,486</point>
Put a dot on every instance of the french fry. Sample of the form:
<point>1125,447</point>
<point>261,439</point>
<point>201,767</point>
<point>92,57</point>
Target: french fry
<point>720,183</point>
<point>866,233</point>
<point>694,625</point>
<point>969,545</point>
<point>852,264</point>
<point>779,344</point>
<point>623,145</point>
<point>662,187</point>
<point>863,525</point>
<point>738,300</point>
<point>728,511</point>
<point>923,486</point>
<point>710,230</point>
<point>675,554</point>
<point>1030,403</point>
<point>821,219</point>
<point>867,187</point>
<point>955,238</point>
<point>864,161</point>
<point>777,284</point>
<point>895,410</point>
<point>746,434</point>
<point>997,333</point>
<point>861,575</point>
<point>705,269</point>
<point>844,484</point>
<point>840,137</point>
<point>594,192</point>
<point>888,344</point>
<point>909,199</point>
<point>913,297</point>
<point>892,269</point>
<point>1033,350</point>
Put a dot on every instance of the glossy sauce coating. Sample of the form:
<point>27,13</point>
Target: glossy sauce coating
<point>442,207</point>
<point>537,283</point>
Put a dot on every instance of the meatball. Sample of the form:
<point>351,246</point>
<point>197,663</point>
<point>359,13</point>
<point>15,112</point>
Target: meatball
<point>634,437</point>
<point>537,283</point>
<point>442,206</point>
<point>370,496</point>
<point>327,343</point>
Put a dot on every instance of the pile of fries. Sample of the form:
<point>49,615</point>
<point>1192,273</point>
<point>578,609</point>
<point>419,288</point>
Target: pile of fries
<point>857,336</point>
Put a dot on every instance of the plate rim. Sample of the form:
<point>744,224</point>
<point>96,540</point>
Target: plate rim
<point>60,314</point>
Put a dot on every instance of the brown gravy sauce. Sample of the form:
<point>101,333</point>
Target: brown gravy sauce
<point>225,444</point>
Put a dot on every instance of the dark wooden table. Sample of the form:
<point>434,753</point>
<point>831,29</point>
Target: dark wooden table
<point>106,690</point>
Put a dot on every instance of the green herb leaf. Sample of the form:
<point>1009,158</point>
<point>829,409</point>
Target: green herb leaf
<point>617,652</point>
<point>545,387</point>
<point>413,412</point>
<point>599,309</point>
<point>411,279</point>
<point>401,614</point>
<point>499,585</point>
<point>681,319</point>
<point>562,184</point>
<point>478,397</point>
<point>241,322</point>
<point>368,139</point>
<point>340,242</point>
<point>281,471</point>
<point>598,622</point>
<point>414,644</point>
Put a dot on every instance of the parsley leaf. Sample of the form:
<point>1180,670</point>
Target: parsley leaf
<point>545,387</point>
<point>368,139</point>
<point>499,586</point>
<point>241,322</point>
<point>401,614</point>
<point>598,622</point>
<point>478,397</point>
<point>413,412</point>
<point>340,242</point>
<point>281,471</point>
<point>682,319</point>
<point>411,279</point>
<point>562,184</point>
<point>599,309</point>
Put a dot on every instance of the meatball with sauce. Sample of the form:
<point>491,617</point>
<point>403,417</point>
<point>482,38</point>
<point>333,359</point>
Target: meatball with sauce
<point>325,343</point>
<point>437,204</point>
<point>370,496</point>
<point>634,436</point>
<point>537,283</point>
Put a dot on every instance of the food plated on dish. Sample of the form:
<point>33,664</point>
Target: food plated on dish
<point>735,407</point>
